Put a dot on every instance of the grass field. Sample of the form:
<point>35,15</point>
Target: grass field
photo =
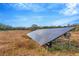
<point>16,42</point>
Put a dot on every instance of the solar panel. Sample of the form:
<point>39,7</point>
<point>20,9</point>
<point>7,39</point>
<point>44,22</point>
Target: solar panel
<point>43,36</point>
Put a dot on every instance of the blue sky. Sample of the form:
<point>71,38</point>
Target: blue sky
<point>42,14</point>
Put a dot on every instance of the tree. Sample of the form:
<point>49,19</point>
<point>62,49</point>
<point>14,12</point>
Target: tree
<point>5,27</point>
<point>34,27</point>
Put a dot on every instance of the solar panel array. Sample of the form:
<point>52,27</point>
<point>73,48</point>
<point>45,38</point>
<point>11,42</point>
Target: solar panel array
<point>43,36</point>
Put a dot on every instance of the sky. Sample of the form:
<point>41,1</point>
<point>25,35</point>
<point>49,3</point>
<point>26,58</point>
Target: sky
<point>42,14</point>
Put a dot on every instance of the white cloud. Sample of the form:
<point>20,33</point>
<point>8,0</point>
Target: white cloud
<point>35,7</point>
<point>64,21</point>
<point>71,9</point>
<point>28,6</point>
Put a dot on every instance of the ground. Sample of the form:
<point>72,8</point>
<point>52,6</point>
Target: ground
<point>16,42</point>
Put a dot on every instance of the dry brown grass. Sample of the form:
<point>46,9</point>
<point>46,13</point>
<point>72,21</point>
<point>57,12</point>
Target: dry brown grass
<point>16,42</point>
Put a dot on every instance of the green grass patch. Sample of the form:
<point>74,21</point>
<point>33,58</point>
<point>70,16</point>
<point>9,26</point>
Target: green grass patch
<point>64,47</point>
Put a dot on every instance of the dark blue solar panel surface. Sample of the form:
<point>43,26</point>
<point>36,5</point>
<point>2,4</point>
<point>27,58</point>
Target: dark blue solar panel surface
<point>43,36</point>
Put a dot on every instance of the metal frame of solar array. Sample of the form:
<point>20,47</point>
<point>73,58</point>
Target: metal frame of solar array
<point>43,36</point>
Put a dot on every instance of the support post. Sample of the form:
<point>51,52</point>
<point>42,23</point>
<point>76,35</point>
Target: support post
<point>49,44</point>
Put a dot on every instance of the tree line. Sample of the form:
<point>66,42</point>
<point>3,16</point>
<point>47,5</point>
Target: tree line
<point>34,27</point>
